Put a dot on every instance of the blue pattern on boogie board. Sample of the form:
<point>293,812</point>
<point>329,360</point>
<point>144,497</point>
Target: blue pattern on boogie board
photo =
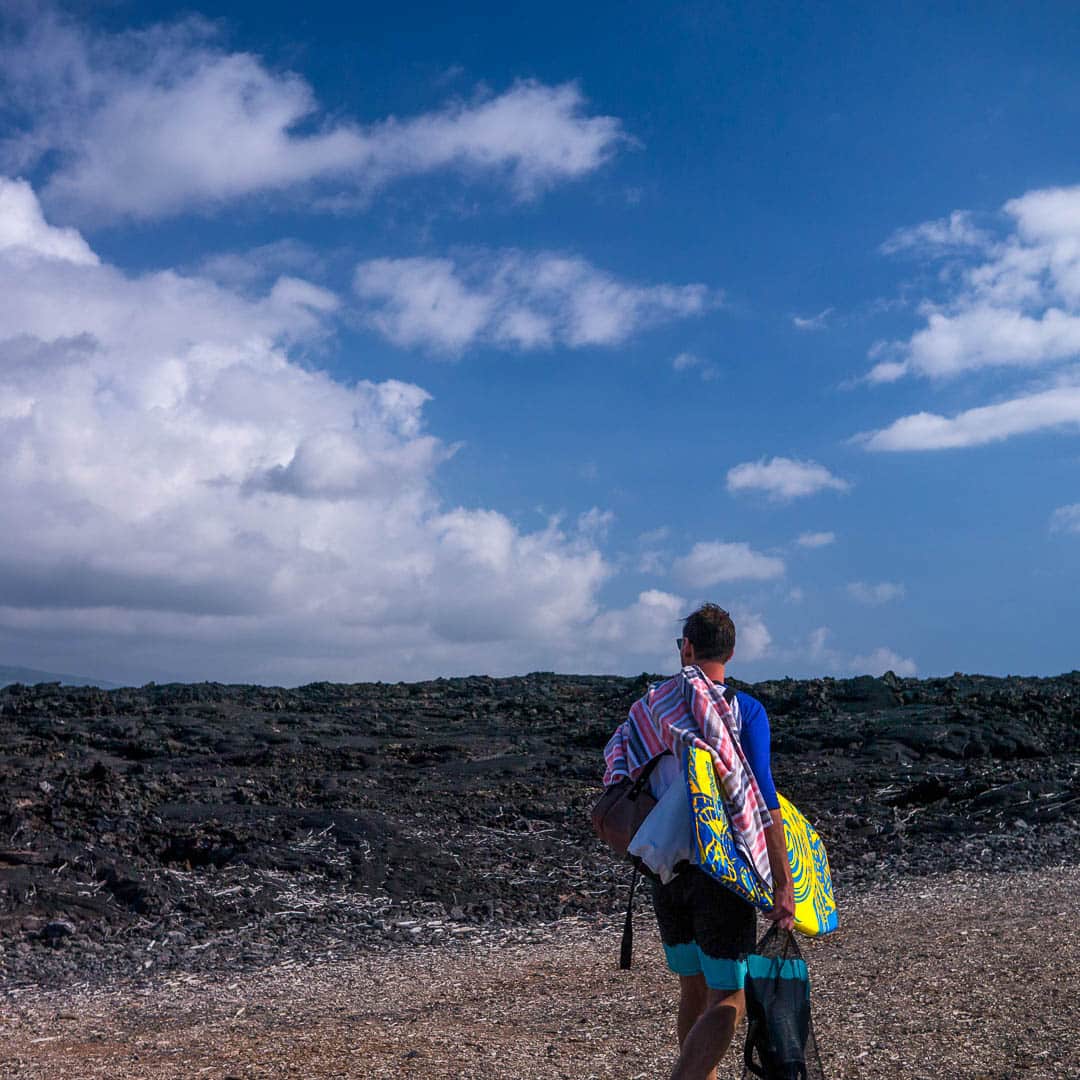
<point>716,852</point>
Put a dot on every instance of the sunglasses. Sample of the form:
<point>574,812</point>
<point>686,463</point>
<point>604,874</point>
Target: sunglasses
<point>679,642</point>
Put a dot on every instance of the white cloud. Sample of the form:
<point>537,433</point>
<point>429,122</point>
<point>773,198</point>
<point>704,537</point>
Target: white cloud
<point>686,361</point>
<point>645,628</point>
<point>816,539</point>
<point>655,536</point>
<point>829,660</point>
<point>880,593</point>
<point>652,559</point>
<point>886,371</point>
<point>537,134</point>
<point>880,661</point>
<point>783,478</point>
<point>1066,519</point>
<point>752,637</point>
<point>817,644</point>
<point>512,299</point>
<point>648,626</point>
<point>193,502</point>
<point>423,302</point>
<point>23,227</point>
<point>957,231</point>
<point>1018,306</point>
<point>1047,213</point>
<point>711,562</point>
<point>652,562</point>
<point>985,335</point>
<point>1041,411</point>
<point>255,266</point>
<point>595,522</point>
<point>153,122</point>
<point>812,322</point>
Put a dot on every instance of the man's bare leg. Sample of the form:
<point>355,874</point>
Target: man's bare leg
<point>693,998</point>
<point>707,1041</point>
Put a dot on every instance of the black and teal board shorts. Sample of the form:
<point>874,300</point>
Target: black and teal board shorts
<point>706,929</point>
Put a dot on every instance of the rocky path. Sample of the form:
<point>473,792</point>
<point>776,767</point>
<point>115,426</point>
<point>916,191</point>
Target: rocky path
<point>965,976</point>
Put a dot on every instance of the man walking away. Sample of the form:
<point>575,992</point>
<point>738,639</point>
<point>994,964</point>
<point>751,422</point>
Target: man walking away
<point>706,929</point>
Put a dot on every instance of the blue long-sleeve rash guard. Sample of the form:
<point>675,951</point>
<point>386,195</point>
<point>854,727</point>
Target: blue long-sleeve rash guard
<point>754,739</point>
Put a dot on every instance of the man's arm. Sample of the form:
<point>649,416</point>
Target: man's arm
<point>755,742</point>
<point>783,910</point>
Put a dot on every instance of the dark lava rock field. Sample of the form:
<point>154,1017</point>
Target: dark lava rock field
<point>195,827</point>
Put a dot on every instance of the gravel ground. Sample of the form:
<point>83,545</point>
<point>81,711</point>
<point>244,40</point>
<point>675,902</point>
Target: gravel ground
<point>920,982</point>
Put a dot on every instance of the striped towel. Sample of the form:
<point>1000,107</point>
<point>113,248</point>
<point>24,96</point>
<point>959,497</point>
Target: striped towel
<point>690,710</point>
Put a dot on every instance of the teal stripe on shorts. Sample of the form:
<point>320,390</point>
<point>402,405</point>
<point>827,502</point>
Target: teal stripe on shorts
<point>688,959</point>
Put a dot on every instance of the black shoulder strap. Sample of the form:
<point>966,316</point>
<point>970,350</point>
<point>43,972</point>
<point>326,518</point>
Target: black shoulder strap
<point>652,763</point>
<point>626,950</point>
<point>729,694</point>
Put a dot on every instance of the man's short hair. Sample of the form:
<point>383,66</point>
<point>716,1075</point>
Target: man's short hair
<point>711,632</point>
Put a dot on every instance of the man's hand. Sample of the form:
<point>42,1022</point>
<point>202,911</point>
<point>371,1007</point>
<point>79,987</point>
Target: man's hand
<point>783,910</point>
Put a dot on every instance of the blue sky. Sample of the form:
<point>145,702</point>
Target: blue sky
<point>398,343</point>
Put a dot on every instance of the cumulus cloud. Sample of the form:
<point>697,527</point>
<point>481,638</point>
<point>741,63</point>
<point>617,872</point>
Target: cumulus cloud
<point>512,299</point>
<point>1066,519</point>
<point>880,593</point>
<point>985,335</point>
<point>153,122</point>
<point>193,502</point>
<point>783,478</point>
<point>1016,306</point>
<point>645,628</point>
<point>1045,410</point>
<point>23,227</point>
<point>714,561</point>
<point>816,539</point>
<point>752,638</point>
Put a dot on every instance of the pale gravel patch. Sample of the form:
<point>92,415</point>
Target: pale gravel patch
<point>920,982</point>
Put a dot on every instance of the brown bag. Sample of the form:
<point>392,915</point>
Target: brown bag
<point>620,811</point>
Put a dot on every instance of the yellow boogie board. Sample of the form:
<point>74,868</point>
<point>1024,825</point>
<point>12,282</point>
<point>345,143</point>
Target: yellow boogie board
<point>715,851</point>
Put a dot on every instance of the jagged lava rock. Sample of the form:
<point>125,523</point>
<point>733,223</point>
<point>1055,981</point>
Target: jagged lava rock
<point>189,824</point>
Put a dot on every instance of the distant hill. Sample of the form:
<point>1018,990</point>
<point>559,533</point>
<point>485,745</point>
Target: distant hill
<point>9,675</point>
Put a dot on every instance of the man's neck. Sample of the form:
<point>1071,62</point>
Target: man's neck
<point>713,670</point>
